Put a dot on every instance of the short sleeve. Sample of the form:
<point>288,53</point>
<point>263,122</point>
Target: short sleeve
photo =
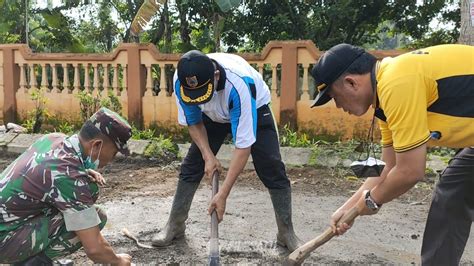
<point>74,196</point>
<point>404,102</point>
<point>243,114</point>
<point>386,134</point>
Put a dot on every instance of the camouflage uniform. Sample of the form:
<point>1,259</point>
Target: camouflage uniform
<point>46,194</point>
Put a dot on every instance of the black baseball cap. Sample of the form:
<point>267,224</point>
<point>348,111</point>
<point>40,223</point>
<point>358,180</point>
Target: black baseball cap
<point>330,67</point>
<point>196,77</point>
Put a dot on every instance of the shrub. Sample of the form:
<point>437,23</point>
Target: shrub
<point>162,148</point>
<point>89,104</point>
<point>37,117</point>
<point>291,138</point>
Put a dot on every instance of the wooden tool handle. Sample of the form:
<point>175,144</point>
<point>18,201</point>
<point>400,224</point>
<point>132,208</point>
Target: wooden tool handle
<point>301,253</point>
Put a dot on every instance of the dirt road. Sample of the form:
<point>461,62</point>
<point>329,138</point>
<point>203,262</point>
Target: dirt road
<point>138,196</point>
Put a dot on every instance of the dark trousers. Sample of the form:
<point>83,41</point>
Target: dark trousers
<point>265,151</point>
<point>451,213</point>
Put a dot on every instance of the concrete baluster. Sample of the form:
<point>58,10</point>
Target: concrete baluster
<point>149,81</point>
<point>115,83</point>
<point>163,90</point>
<point>87,83</point>
<point>55,84</point>
<point>305,95</point>
<point>77,79</point>
<point>44,77</point>
<point>106,83</point>
<point>260,68</point>
<point>274,82</point>
<point>33,83</point>
<point>95,85</point>
<point>66,84</point>
<point>23,84</point>
<point>125,75</point>
<point>124,92</point>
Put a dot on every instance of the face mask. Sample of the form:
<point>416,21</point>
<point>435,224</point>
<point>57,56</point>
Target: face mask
<point>89,164</point>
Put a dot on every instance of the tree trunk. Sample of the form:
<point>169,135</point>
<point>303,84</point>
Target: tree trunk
<point>133,8</point>
<point>184,30</point>
<point>168,30</point>
<point>466,33</point>
<point>24,35</point>
<point>160,31</point>
<point>218,22</point>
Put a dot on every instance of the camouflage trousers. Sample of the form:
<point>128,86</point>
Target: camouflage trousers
<point>42,233</point>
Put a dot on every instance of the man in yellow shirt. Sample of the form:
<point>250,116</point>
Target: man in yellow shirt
<point>421,98</point>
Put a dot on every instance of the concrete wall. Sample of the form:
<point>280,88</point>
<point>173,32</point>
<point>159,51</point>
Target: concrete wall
<point>1,87</point>
<point>141,77</point>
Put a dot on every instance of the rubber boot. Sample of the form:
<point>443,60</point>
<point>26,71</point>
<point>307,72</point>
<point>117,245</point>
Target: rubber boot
<point>176,226</point>
<point>39,259</point>
<point>286,237</point>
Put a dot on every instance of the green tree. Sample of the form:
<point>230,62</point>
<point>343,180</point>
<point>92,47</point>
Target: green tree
<point>99,32</point>
<point>48,29</point>
<point>328,22</point>
<point>12,21</point>
<point>211,25</point>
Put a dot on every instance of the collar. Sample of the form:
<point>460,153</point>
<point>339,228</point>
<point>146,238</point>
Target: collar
<point>222,77</point>
<point>378,112</point>
<point>75,144</point>
<point>373,80</point>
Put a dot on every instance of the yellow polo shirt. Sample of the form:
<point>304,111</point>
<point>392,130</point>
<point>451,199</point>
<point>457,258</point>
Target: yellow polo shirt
<point>427,90</point>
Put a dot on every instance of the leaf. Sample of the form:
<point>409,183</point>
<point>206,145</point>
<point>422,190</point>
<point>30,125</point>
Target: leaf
<point>184,47</point>
<point>54,19</point>
<point>226,5</point>
<point>351,178</point>
<point>4,27</point>
<point>148,9</point>
<point>76,46</point>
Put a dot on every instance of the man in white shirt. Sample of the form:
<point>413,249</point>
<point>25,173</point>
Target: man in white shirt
<point>218,94</point>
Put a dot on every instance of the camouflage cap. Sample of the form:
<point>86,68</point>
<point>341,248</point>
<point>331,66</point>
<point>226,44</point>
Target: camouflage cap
<point>113,126</point>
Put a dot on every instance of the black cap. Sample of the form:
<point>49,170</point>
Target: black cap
<point>330,66</point>
<point>196,77</point>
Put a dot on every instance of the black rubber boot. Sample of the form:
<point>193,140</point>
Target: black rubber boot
<point>39,259</point>
<point>176,226</point>
<point>286,237</point>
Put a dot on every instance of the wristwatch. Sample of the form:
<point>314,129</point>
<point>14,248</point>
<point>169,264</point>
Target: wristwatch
<point>370,203</point>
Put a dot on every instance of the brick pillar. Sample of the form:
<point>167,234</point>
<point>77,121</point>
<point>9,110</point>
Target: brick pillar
<point>289,85</point>
<point>11,79</point>
<point>136,81</point>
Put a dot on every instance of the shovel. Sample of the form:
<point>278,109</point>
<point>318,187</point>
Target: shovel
<point>214,259</point>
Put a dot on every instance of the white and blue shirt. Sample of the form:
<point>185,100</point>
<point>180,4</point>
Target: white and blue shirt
<point>244,92</point>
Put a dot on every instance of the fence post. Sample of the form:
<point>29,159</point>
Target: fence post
<point>11,79</point>
<point>289,84</point>
<point>136,79</point>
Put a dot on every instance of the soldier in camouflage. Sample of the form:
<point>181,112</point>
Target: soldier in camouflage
<point>47,195</point>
